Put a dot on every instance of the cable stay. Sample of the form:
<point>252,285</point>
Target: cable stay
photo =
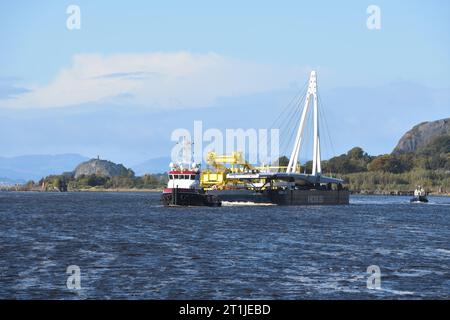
<point>295,121</point>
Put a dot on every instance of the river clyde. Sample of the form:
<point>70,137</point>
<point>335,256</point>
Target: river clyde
<point>127,246</point>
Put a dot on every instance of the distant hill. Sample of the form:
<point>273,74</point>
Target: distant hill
<point>155,165</point>
<point>438,145</point>
<point>421,135</point>
<point>34,167</point>
<point>103,168</point>
<point>10,182</point>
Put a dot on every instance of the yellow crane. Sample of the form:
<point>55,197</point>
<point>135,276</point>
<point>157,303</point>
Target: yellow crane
<point>218,166</point>
<point>215,176</point>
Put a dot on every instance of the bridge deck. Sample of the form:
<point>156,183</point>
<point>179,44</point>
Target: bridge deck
<point>285,176</point>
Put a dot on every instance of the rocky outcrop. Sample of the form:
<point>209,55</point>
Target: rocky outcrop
<point>101,168</point>
<point>421,134</point>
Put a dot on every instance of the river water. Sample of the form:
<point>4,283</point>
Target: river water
<point>127,246</point>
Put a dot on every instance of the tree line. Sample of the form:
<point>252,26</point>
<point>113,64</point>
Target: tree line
<point>428,166</point>
<point>67,182</point>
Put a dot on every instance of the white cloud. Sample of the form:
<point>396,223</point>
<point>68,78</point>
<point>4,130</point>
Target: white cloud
<point>155,80</point>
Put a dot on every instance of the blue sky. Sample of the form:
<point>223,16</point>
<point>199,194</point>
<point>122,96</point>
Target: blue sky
<point>115,86</point>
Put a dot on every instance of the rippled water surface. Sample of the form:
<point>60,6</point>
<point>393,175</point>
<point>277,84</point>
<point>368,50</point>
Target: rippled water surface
<point>128,246</point>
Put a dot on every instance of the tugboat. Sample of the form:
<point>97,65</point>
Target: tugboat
<point>419,195</point>
<point>183,187</point>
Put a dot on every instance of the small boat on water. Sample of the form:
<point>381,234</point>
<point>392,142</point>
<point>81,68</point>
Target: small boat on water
<point>420,195</point>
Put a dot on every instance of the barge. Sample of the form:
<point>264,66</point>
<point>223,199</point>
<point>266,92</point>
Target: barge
<point>231,178</point>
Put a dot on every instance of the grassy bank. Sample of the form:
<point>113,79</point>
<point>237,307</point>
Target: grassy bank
<point>434,181</point>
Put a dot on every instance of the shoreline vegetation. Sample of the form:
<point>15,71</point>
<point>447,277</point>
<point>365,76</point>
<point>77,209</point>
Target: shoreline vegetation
<point>363,193</point>
<point>388,174</point>
<point>96,183</point>
<point>134,190</point>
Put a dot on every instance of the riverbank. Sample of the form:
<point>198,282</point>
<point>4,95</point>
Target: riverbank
<point>436,182</point>
<point>393,193</point>
<point>159,190</point>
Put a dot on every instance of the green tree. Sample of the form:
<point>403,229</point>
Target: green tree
<point>283,161</point>
<point>356,153</point>
<point>386,163</point>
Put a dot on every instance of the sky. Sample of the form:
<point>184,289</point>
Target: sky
<point>137,70</point>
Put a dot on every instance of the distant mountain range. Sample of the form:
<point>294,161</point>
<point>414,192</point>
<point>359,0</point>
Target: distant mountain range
<point>8,182</point>
<point>33,167</point>
<point>21,169</point>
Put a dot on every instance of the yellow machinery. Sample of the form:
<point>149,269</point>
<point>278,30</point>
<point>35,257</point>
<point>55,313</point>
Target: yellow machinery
<point>215,175</point>
<point>237,162</point>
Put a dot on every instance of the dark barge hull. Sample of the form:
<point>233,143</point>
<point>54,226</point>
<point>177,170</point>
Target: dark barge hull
<point>180,198</point>
<point>310,197</point>
<point>285,197</point>
<point>240,195</point>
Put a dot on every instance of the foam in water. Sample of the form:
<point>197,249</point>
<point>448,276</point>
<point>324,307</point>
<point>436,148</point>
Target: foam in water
<point>245,203</point>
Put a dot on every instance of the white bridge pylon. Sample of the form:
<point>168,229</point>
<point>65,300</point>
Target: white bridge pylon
<point>316,167</point>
